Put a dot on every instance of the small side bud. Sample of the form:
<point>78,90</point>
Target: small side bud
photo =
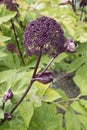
<point>8,116</point>
<point>44,78</point>
<point>8,95</point>
<point>11,47</point>
<point>70,46</point>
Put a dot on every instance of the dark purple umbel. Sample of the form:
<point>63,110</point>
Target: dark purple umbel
<point>8,95</point>
<point>44,78</point>
<point>44,35</point>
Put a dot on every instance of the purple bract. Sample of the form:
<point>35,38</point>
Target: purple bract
<point>44,78</point>
<point>44,35</point>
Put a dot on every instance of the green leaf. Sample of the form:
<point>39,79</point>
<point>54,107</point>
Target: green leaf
<point>4,75</point>
<point>45,118</point>
<point>83,121</point>
<point>62,94</point>
<point>8,32</point>
<point>26,110</point>
<point>76,63</point>
<point>4,38</point>
<point>81,80</point>
<point>81,32</point>
<point>83,103</point>
<point>5,14</point>
<point>78,107</point>
<point>60,57</point>
<point>1,114</point>
<point>41,88</point>
<point>2,54</point>
<point>50,95</point>
<point>71,120</point>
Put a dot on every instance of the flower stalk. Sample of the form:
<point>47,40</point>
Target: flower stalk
<point>13,27</point>
<point>26,91</point>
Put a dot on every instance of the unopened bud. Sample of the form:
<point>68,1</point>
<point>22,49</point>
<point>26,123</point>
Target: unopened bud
<point>44,78</point>
<point>70,46</point>
<point>8,116</point>
<point>8,95</point>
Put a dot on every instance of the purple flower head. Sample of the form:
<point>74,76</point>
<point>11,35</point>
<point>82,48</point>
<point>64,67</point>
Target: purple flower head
<point>10,5</point>
<point>8,116</point>
<point>11,47</point>
<point>44,78</point>
<point>70,46</point>
<point>8,95</point>
<point>83,3</point>
<point>44,35</point>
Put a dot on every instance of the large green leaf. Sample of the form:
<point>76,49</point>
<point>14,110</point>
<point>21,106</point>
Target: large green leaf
<point>5,75</point>
<point>41,88</point>
<point>83,103</point>
<point>4,38</point>
<point>45,118</point>
<point>83,121</point>
<point>63,95</point>
<point>60,57</point>
<point>76,63</point>
<point>71,120</point>
<point>26,109</point>
<point>2,54</point>
<point>50,95</point>
<point>78,107</point>
<point>8,33</point>
<point>81,80</point>
<point>5,14</point>
<point>81,32</point>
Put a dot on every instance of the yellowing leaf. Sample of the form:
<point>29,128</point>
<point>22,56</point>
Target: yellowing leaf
<point>50,95</point>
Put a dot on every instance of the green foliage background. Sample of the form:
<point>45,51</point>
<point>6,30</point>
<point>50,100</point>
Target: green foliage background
<point>38,111</point>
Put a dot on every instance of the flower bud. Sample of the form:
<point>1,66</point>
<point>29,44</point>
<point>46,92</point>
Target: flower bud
<point>11,47</point>
<point>8,95</point>
<point>70,46</point>
<point>8,116</point>
<point>44,78</point>
<point>83,3</point>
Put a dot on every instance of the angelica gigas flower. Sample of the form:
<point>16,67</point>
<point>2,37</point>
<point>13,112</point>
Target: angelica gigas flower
<point>10,5</point>
<point>44,35</point>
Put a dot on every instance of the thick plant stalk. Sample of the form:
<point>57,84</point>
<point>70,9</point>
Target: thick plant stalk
<point>21,56</point>
<point>26,91</point>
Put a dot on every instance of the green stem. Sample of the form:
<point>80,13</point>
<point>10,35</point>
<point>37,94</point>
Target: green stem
<point>47,66</point>
<point>28,88</point>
